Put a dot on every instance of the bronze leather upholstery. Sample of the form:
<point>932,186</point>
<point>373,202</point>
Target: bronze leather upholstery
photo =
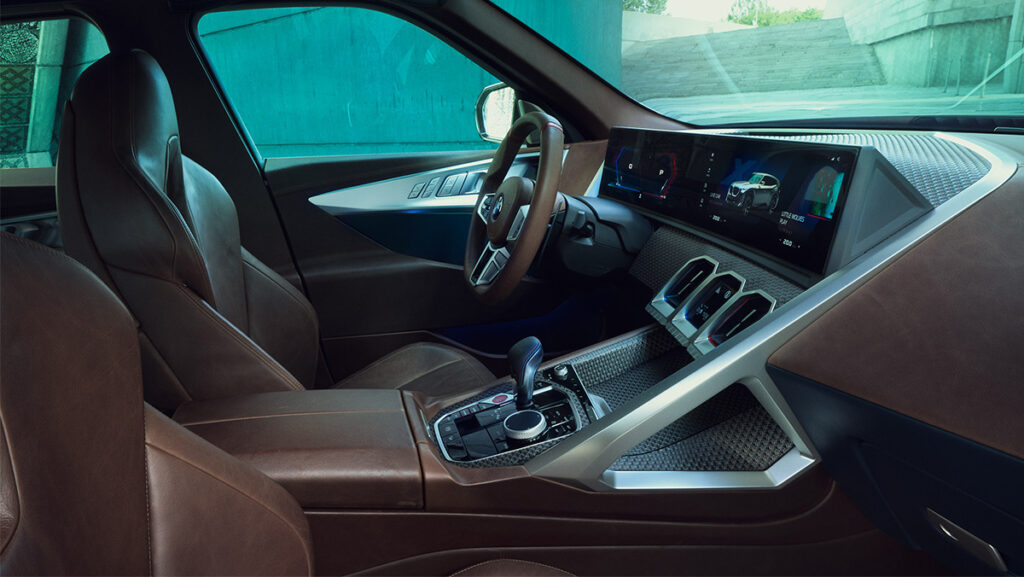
<point>163,233</point>
<point>937,335</point>
<point>501,567</point>
<point>94,481</point>
<point>328,448</point>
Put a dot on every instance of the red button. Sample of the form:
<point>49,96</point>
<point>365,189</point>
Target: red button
<point>499,399</point>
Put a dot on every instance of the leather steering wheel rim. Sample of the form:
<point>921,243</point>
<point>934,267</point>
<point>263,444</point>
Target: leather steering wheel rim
<point>511,216</point>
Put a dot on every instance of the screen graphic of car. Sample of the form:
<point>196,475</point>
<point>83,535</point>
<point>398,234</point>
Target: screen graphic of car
<point>760,191</point>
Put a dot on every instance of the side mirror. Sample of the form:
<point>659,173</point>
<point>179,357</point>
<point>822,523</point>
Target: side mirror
<point>495,111</point>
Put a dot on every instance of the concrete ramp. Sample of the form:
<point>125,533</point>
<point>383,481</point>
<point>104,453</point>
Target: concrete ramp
<point>804,55</point>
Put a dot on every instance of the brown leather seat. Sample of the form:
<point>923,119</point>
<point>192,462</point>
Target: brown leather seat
<point>95,482</point>
<point>163,233</point>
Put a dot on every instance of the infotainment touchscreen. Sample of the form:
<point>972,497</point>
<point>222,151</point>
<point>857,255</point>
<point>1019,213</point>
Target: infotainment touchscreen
<point>780,197</point>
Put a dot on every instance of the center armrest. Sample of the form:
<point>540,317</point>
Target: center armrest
<point>329,448</point>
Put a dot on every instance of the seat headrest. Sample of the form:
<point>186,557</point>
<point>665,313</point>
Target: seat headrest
<point>120,162</point>
<point>133,92</point>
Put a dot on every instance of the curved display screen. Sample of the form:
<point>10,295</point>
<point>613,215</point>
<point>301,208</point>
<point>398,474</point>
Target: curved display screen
<point>783,198</point>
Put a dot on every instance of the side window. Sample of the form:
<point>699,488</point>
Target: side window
<point>39,64</point>
<point>343,81</point>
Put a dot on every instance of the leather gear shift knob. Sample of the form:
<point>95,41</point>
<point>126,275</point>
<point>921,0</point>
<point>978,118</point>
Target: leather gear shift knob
<point>524,358</point>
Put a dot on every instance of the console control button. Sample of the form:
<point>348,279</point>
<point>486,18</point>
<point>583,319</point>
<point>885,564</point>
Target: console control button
<point>487,418</point>
<point>479,444</point>
<point>446,428</point>
<point>416,190</point>
<point>524,425</point>
<point>561,372</point>
<point>497,433</point>
<point>499,399</point>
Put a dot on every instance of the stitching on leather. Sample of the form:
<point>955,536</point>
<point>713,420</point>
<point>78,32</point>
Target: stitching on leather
<point>175,380</point>
<point>149,519</point>
<point>277,415</point>
<point>142,185</point>
<point>247,345</point>
<point>519,561</point>
<point>393,354</point>
<point>303,303</point>
<point>76,198</point>
<point>36,245</point>
<point>226,483</point>
<point>430,372</point>
<point>14,481</point>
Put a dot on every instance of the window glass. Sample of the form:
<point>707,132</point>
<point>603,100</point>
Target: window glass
<point>341,80</point>
<point>737,61</point>
<point>39,64</point>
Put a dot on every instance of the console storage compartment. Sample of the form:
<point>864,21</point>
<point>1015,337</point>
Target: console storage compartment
<point>329,448</point>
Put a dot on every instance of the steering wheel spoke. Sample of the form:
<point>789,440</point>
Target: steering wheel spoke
<point>491,262</point>
<point>517,225</point>
<point>484,210</point>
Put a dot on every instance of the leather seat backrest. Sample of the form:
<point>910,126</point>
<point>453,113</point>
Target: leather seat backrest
<point>163,233</point>
<point>93,481</point>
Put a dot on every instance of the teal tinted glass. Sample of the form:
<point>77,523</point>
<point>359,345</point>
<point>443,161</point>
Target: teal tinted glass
<point>342,81</point>
<point>39,64</point>
<point>736,61</point>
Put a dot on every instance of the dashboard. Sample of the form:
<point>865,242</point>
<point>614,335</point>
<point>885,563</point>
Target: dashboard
<point>782,199</point>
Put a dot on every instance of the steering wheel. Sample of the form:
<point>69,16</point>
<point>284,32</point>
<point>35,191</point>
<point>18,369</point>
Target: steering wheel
<point>511,215</point>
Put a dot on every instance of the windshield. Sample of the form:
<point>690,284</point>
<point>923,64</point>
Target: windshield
<point>713,62</point>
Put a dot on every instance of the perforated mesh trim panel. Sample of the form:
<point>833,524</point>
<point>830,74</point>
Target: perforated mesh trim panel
<point>669,248</point>
<point>939,169</point>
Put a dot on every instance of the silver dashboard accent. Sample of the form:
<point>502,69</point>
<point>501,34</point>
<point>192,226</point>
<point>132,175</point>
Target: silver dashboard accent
<point>678,319</point>
<point>393,194</point>
<point>583,460</point>
<point>660,308</point>
<point>701,344</point>
<point>967,541</point>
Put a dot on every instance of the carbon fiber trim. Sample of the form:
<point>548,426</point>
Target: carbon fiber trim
<point>669,248</point>
<point>620,388</point>
<point>611,361</point>
<point>749,441</point>
<point>938,169</point>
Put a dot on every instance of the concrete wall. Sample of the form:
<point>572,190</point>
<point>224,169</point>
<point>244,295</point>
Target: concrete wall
<point>920,42</point>
<point>329,81</point>
<point>641,27</point>
<point>931,56</point>
<point>816,54</point>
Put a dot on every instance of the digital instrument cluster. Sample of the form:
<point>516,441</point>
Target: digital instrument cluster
<point>783,198</point>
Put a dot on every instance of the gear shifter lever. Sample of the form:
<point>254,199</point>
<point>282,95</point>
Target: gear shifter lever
<point>524,358</point>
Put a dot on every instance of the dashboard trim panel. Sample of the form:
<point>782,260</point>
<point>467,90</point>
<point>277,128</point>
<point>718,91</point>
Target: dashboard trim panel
<point>584,458</point>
